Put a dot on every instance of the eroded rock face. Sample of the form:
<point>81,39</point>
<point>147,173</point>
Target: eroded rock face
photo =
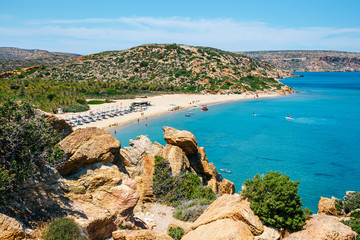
<point>226,187</point>
<point>177,159</point>
<point>183,139</point>
<point>104,198</point>
<point>322,227</point>
<point>268,234</point>
<point>237,213</point>
<point>87,146</point>
<point>10,228</point>
<point>327,206</point>
<point>139,234</point>
<point>134,156</point>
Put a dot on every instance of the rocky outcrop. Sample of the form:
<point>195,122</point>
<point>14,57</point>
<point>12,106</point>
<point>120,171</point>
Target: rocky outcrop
<point>10,228</point>
<point>226,187</point>
<point>177,159</point>
<point>105,198</point>
<point>134,156</point>
<point>327,206</point>
<point>59,125</point>
<point>228,210</point>
<point>322,227</point>
<point>139,234</point>
<point>196,156</point>
<point>87,146</point>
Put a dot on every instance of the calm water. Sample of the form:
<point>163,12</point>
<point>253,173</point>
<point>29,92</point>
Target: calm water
<point>319,147</point>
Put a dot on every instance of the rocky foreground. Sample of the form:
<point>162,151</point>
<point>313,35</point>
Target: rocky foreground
<point>109,192</point>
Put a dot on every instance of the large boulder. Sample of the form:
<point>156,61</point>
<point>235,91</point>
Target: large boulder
<point>327,206</point>
<point>139,235</point>
<point>183,139</point>
<point>103,198</point>
<point>134,156</point>
<point>219,230</point>
<point>10,228</point>
<point>145,184</point>
<point>269,234</point>
<point>231,207</point>
<point>87,146</point>
<point>177,159</point>
<point>323,227</point>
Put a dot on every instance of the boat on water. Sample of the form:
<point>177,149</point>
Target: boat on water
<point>288,117</point>
<point>225,170</point>
<point>188,115</point>
<point>204,108</point>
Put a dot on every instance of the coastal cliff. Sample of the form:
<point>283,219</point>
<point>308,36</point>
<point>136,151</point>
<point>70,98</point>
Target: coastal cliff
<point>310,61</point>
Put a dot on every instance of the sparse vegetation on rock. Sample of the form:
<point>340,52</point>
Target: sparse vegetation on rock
<point>64,229</point>
<point>185,191</point>
<point>274,198</point>
<point>176,233</point>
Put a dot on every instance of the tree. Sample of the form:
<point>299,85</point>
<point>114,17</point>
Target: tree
<point>26,142</point>
<point>274,199</point>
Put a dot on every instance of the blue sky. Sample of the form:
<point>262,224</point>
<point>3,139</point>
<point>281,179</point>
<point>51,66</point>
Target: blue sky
<point>92,26</point>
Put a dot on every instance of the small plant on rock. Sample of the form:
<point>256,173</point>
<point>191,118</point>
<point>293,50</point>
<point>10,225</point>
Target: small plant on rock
<point>176,233</point>
<point>64,229</point>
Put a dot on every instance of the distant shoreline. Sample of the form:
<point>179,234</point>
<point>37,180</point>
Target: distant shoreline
<point>160,105</point>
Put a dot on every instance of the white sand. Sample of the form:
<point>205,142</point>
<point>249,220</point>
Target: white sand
<point>159,104</point>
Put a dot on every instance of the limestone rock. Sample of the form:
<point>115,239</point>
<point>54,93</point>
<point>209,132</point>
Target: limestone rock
<point>183,139</point>
<point>134,156</point>
<point>86,146</point>
<point>269,234</point>
<point>323,227</point>
<point>232,207</point>
<point>327,206</point>
<point>146,185</point>
<point>10,228</point>
<point>219,230</point>
<point>226,187</point>
<point>139,235</point>
<point>177,159</point>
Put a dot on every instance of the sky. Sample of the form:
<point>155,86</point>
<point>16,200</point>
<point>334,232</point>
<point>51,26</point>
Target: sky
<point>91,26</point>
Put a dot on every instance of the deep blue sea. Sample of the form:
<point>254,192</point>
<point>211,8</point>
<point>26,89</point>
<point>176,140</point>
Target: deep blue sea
<point>320,146</point>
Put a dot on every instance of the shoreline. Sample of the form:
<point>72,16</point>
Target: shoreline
<point>160,105</point>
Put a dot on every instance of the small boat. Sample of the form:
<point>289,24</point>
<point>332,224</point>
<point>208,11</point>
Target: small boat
<point>204,108</point>
<point>289,117</point>
<point>188,115</point>
<point>225,170</point>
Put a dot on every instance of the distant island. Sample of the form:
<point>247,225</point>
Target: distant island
<point>309,61</point>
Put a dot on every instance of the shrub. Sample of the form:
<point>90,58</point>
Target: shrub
<point>354,223</point>
<point>76,108</point>
<point>81,101</point>
<point>274,199</point>
<point>351,201</point>
<point>95,102</point>
<point>64,229</point>
<point>176,233</point>
<point>184,192</point>
<point>26,143</point>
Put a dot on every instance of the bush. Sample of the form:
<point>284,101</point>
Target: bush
<point>176,233</point>
<point>76,108</point>
<point>64,229</point>
<point>351,202</point>
<point>95,102</point>
<point>81,101</point>
<point>354,223</point>
<point>184,192</point>
<point>26,143</point>
<point>274,199</point>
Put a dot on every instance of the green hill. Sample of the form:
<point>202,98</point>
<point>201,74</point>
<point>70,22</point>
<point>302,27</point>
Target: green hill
<point>143,70</point>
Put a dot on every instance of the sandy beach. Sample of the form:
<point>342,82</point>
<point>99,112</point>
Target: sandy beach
<point>159,104</point>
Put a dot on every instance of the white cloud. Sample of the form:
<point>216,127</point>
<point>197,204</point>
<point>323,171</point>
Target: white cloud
<point>223,33</point>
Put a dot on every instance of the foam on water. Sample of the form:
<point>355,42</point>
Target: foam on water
<point>319,146</point>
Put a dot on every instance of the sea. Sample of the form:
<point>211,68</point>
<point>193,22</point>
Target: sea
<point>319,146</point>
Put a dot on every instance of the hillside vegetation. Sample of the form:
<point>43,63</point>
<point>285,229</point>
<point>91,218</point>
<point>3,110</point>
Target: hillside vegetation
<point>142,70</point>
<point>309,61</point>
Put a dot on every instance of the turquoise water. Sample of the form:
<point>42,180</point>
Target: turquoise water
<point>319,147</point>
